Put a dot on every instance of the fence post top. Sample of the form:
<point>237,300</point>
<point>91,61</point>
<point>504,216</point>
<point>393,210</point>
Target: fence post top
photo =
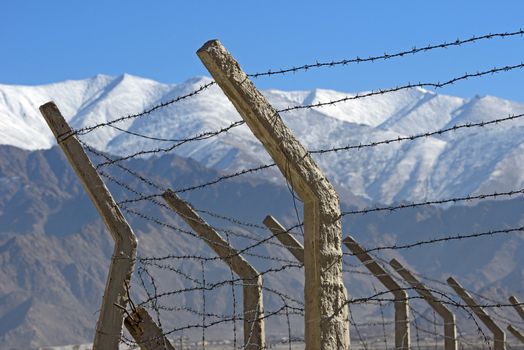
<point>451,281</point>
<point>396,264</point>
<point>268,219</point>
<point>513,300</point>
<point>210,43</point>
<point>57,123</point>
<point>49,104</point>
<point>349,239</point>
<point>169,193</point>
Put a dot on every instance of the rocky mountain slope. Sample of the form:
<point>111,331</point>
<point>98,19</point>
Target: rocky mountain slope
<point>54,250</point>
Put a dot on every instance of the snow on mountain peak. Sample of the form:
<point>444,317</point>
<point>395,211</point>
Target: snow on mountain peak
<point>428,168</point>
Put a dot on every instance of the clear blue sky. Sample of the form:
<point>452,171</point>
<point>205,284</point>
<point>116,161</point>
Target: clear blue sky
<point>49,41</point>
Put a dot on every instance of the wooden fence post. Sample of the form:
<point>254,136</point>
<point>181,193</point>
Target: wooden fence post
<point>254,334</point>
<point>499,337</point>
<point>450,329</point>
<point>324,291</point>
<point>402,336</point>
<point>109,325</point>
<point>285,238</point>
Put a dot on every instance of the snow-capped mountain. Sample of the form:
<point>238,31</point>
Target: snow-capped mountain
<point>455,163</point>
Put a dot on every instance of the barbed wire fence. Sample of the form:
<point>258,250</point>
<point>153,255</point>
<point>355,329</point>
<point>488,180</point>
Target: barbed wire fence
<point>197,300</point>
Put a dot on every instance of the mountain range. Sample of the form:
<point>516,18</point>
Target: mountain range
<point>456,163</point>
<point>54,250</point>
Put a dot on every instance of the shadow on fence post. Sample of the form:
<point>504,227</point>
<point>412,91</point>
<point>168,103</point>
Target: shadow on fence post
<point>324,292</point>
<point>402,336</point>
<point>450,329</point>
<point>109,325</point>
<point>499,337</point>
<point>254,337</point>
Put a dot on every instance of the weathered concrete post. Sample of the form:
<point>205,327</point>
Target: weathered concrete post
<point>146,332</point>
<point>324,292</point>
<point>499,337</point>
<point>516,333</point>
<point>450,328</point>
<point>254,334</point>
<point>109,326</point>
<point>520,310</point>
<point>402,333</point>
<point>283,235</point>
<point>518,307</point>
<point>285,238</point>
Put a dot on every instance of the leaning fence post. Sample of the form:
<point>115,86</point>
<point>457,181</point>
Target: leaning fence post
<point>499,337</point>
<point>109,325</point>
<point>402,337</point>
<point>324,292</point>
<point>516,333</point>
<point>285,238</point>
<point>146,332</point>
<point>450,329</point>
<point>518,307</point>
<point>254,337</point>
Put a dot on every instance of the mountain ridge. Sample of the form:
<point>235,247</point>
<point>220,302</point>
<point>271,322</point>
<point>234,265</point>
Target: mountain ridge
<point>409,170</point>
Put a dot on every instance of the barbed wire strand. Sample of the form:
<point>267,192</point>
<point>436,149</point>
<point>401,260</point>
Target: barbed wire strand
<point>414,50</point>
<point>351,147</point>
<point>436,85</point>
<point>88,129</point>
